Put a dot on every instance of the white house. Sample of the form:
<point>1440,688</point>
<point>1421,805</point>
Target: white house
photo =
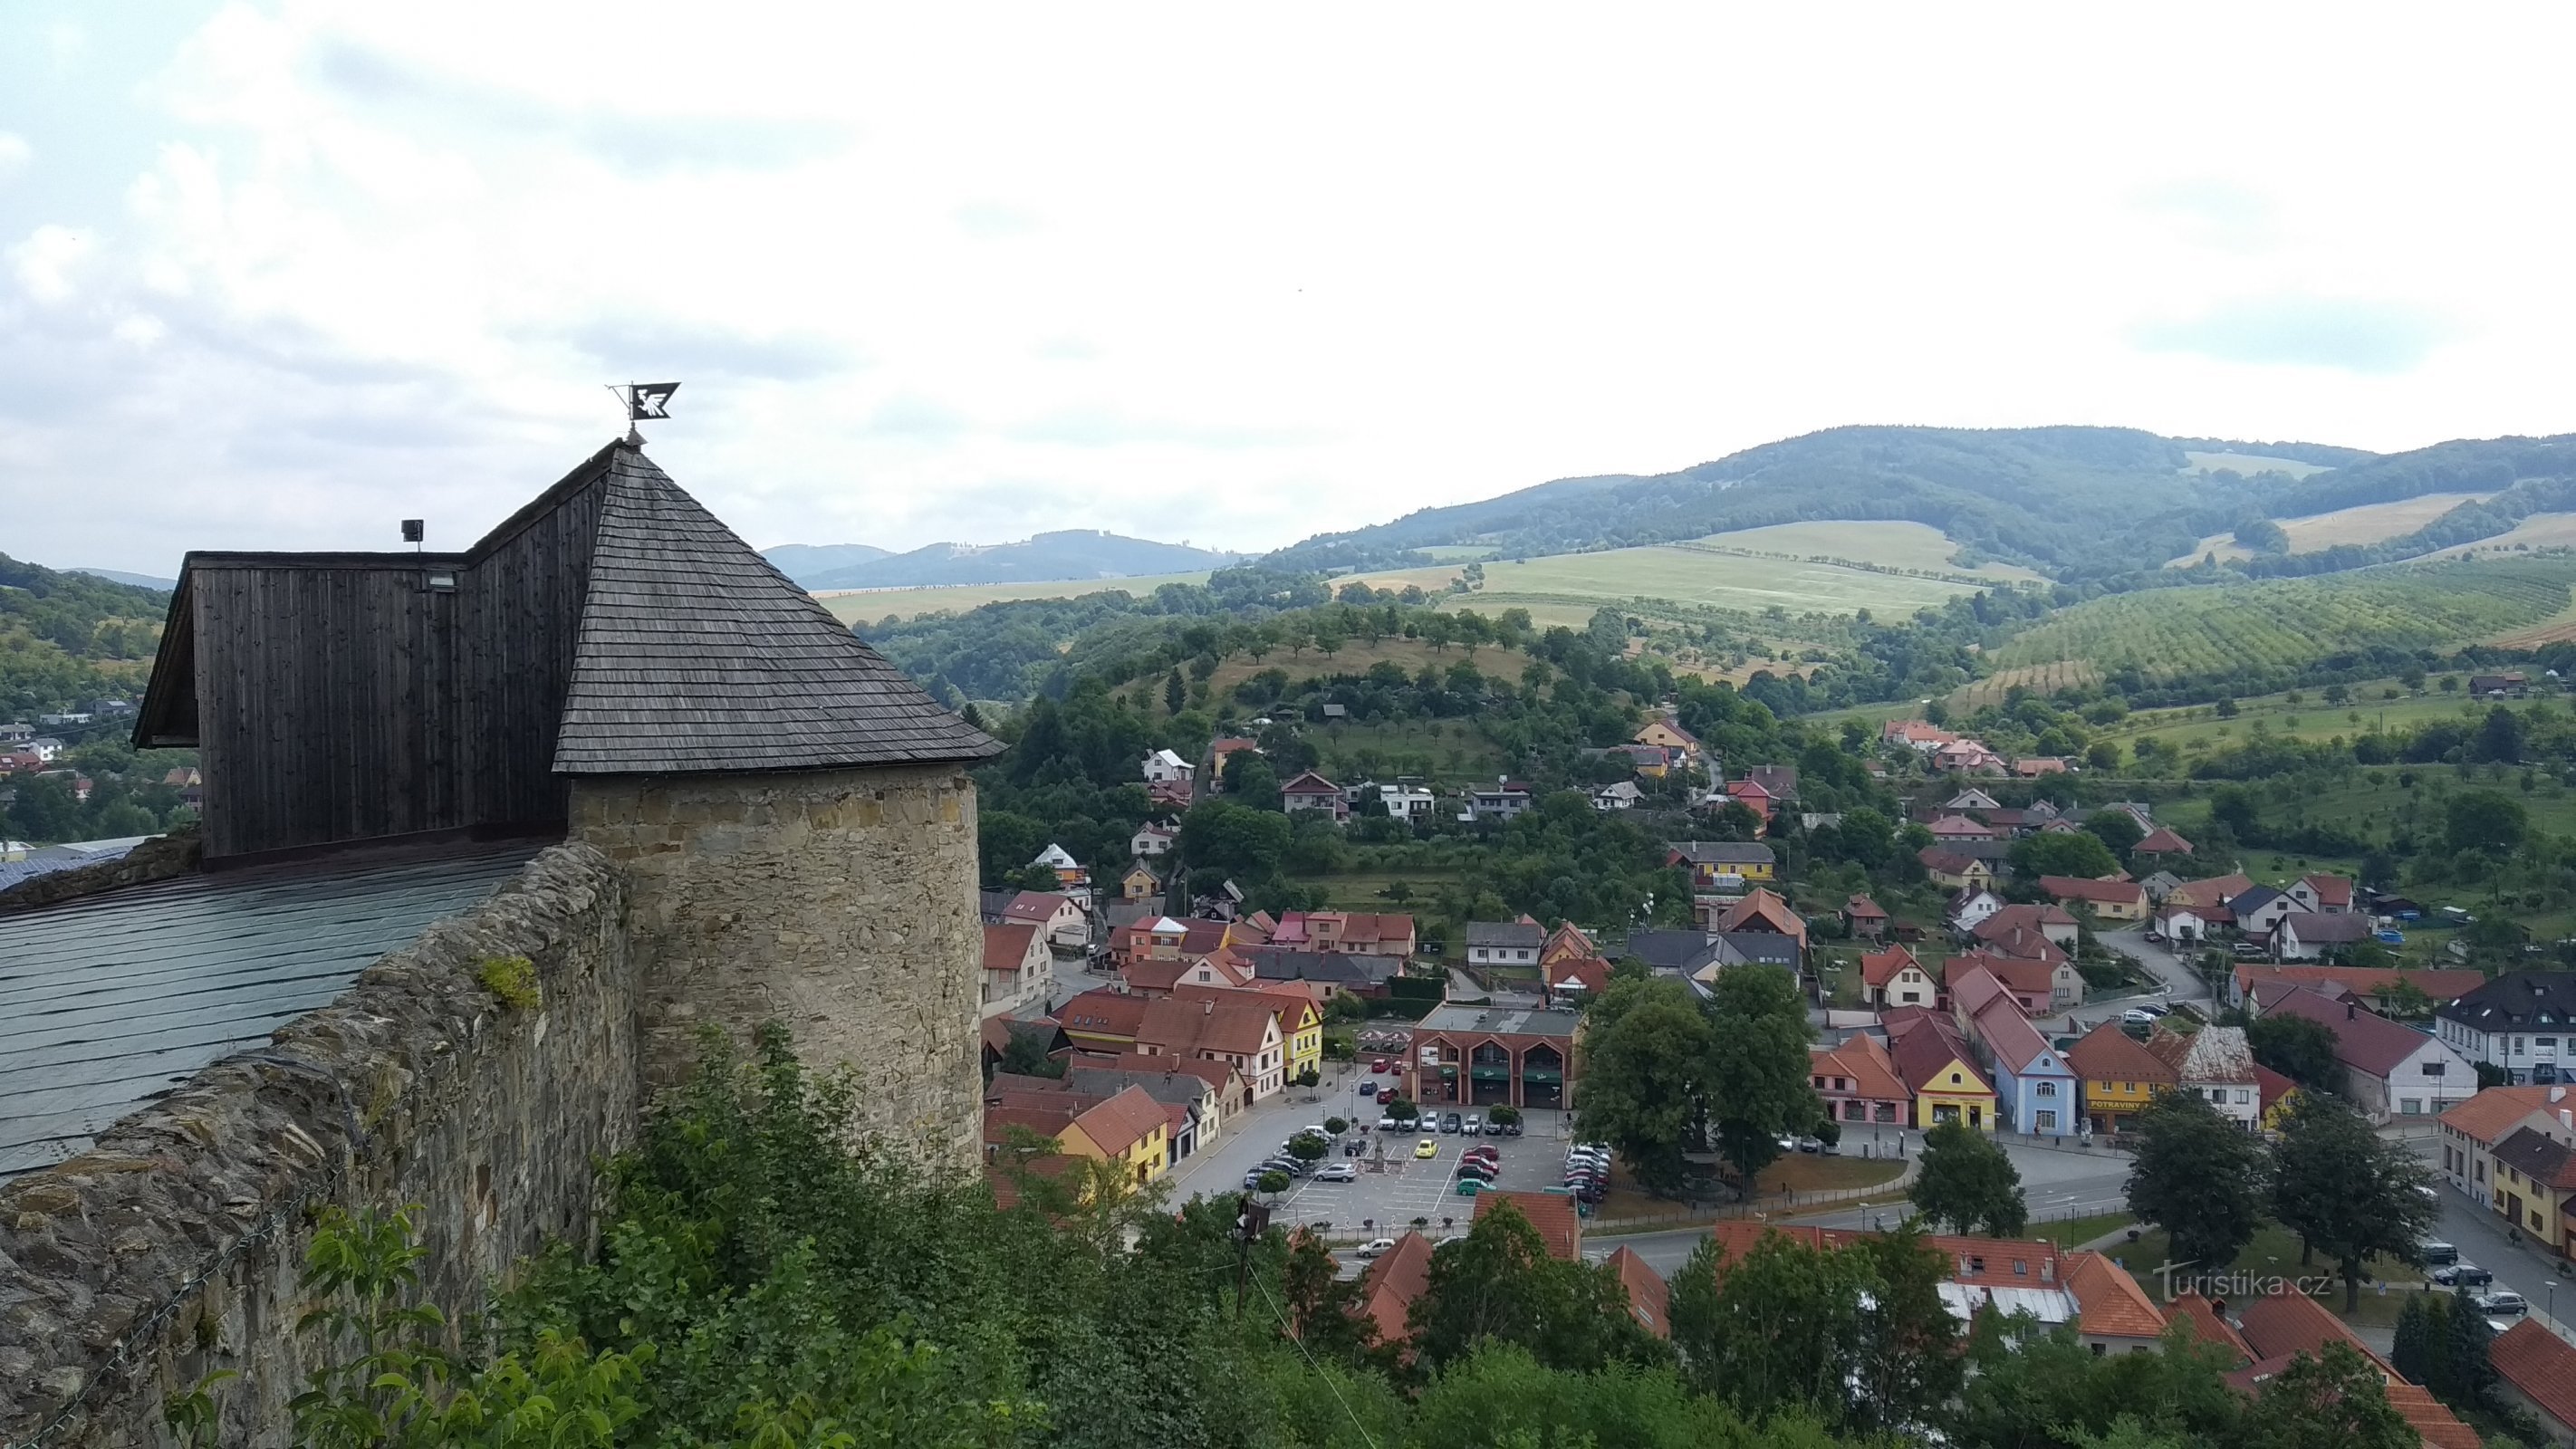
<point>2326,895</point>
<point>1019,971</point>
<point>2215,1063</point>
<point>1622,796</point>
<point>1971,908</point>
<point>1154,837</point>
<point>1163,768</point>
<point>1504,943</point>
<point>2308,936</point>
<point>2390,1070</point>
<point>2523,1022</point>
<point>2258,910</point>
<point>1058,917</point>
<point>1409,802</point>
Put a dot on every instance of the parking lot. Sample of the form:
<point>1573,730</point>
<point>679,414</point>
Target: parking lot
<point>1393,1186</point>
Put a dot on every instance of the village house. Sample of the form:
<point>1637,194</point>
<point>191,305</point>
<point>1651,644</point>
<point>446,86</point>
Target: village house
<point>1130,1129</point>
<point>1244,1036</point>
<point>1780,782</point>
<point>2007,928</point>
<point>1763,913</point>
<point>1192,1105</point>
<point>2161,841</point>
<point>1863,920</point>
<point>1914,734</point>
<point>2522,1023</point>
<point>1559,1222</point>
<point>1649,1296</point>
<point>1574,981</point>
<point>1968,757</point>
<point>2471,1131</point>
<point>2326,895</point>
<point>2259,909</point>
<point>2216,1064</point>
<point>2117,1076</point>
<point>1301,1021</point>
<point>2389,1070</point>
<point>1351,933</point>
<point>1939,1070</point>
<point>1954,870</point>
<point>2536,1369</point>
<point>1858,1082</point>
<point>1713,863</point>
<point>1140,883</point>
<point>1893,978</point>
<point>2040,987</point>
<point>2158,885</point>
<point>1408,801</point>
<point>1103,1020</point>
<point>2273,1331</point>
<point>2110,900</point>
<point>1504,943</point>
<point>1567,943</point>
<point>1311,794</point>
<point>1970,801</point>
<point>2509,685</point>
<point>1153,838</point>
<point>1667,733</point>
<point>1502,800</point>
<point>2535,1184</point>
<point>1482,1056</point>
<point>2378,985</point>
<point>2032,767</point>
<point>1221,750</point>
<point>1951,829</point>
<point>1623,795</point>
<point>2308,936</point>
<point>1019,971</point>
<point>1753,796</point>
<point>1971,908</point>
<point>1056,916</point>
<point>1162,767</point>
<point>1069,874</point>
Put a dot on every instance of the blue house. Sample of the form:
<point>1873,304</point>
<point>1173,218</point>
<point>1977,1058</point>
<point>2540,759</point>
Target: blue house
<point>2035,1089</point>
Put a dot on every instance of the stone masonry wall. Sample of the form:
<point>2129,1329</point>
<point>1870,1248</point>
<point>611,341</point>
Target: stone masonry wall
<point>172,1247</point>
<point>839,902</point>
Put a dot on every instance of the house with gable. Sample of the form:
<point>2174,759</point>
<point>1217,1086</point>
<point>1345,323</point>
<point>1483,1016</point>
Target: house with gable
<point>2035,1089</point>
<point>2389,1070</point>
<point>1859,1082</point>
<point>1140,883</point>
<point>2325,895</point>
<point>1244,1036</point>
<point>2522,1023</point>
<point>1893,977</point>
<point>2161,841</point>
<point>1301,1021</point>
<point>1780,782</point>
<point>1939,1069</point>
<point>1914,734</point>
<point>2110,900</point>
<point>2258,909</point>
<point>1763,913</point>
<point>1019,970</point>
<point>2008,929</point>
<point>1311,794</point>
<point>2536,1369</point>
<point>1753,796</point>
<point>1667,733</point>
<point>1864,920</point>
<point>2117,1077</point>
<point>2215,1064</point>
<point>1057,916</point>
<point>1955,870</point>
<point>1972,908</point>
<point>1153,838</point>
<point>1162,767</point>
<point>2471,1131</point>
<point>2308,936</point>
<point>1710,861</point>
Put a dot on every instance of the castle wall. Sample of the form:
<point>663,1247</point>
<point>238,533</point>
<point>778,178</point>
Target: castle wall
<point>172,1248</point>
<point>839,902</point>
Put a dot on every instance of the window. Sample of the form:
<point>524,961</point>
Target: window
<point>2020,1268</point>
<point>1976,1264</point>
<point>2517,1046</point>
<point>2546,1046</point>
<point>2433,1069</point>
<point>2244,1095</point>
<point>2048,1089</point>
<point>2410,1106</point>
<point>2482,1172</point>
<point>2045,1122</point>
<point>2129,1089</point>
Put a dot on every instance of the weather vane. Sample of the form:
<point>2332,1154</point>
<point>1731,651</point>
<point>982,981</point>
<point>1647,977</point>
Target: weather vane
<point>644,400</point>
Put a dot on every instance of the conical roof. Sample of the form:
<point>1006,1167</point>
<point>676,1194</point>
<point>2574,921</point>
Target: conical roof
<point>695,654</point>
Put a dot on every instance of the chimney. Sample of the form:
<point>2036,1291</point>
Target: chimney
<point>2348,1009</point>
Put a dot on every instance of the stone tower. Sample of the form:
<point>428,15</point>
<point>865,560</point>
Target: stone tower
<point>792,813</point>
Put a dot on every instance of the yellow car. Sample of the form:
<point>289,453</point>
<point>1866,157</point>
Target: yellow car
<point>1427,1147</point>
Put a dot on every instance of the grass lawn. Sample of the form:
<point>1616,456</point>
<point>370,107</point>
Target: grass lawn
<point>1366,891</point>
<point>1814,1172</point>
<point>1449,751</point>
<point>1358,656</point>
<point>850,606</point>
<point>2309,719</point>
<point>2076,1232</point>
<point>2274,1253</point>
<point>1887,543</point>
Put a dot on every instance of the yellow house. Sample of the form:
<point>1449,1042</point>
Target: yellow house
<point>1668,735</point>
<point>1708,859</point>
<point>1936,1067</point>
<point>1301,1021</point>
<point>1953,871</point>
<point>2120,1076</point>
<point>1139,883</point>
<point>1130,1128</point>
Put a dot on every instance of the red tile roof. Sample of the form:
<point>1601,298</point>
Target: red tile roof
<point>2107,892</point>
<point>1552,1213</point>
<point>2281,1324</point>
<point>1864,1063</point>
<point>1006,946</point>
<point>1390,1284</point>
<point>1103,1012</point>
<point>2212,892</point>
<point>1186,1028</point>
<point>2495,1112</point>
<point>2331,890</point>
<point>1881,967</point>
<point>1121,1122</point>
<point>2363,1038</point>
<point>1648,1294</point>
<point>1862,908</point>
<point>2111,1301</point>
<point>2021,976</point>
<point>2025,917</point>
<point>1924,1050</point>
<point>1763,911</point>
<point>2210,1327</point>
<point>1037,907</point>
<point>2108,1054</point>
<point>2541,1367</point>
<point>2439,985</point>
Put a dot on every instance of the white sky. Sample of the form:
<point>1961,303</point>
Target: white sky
<point>276,276</point>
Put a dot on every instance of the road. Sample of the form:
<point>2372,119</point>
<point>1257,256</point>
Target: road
<point>2480,1236</point>
<point>2175,974</point>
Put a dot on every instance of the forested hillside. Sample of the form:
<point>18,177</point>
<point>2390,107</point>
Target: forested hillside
<point>1080,553</point>
<point>68,638</point>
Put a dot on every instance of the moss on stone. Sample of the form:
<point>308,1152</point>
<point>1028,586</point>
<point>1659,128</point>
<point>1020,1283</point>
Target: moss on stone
<point>512,980</point>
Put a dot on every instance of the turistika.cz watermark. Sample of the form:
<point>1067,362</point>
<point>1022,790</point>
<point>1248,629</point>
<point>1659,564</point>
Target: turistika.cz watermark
<point>2236,1284</point>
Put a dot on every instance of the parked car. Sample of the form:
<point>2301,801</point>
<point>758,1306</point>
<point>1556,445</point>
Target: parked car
<point>2437,1253</point>
<point>2503,1305</point>
<point>1375,1247</point>
<point>1252,1179</point>
<point>1367,1088</point>
<point>1474,1126</point>
<point>1389,1124</point>
<point>1427,1147</point>
<point>1811,1144</point>
<point>1449,1123</point>
<point>1339,1172</point>
<point>1381,1066</point>
<point>1470,1186</point>
<point>1354,1147</point>
<point>2137,1017</point>
<point>2462,1273</point>
<point>1481,1171</point>
<point>1483,1149</point>
<point>1511,1128</point>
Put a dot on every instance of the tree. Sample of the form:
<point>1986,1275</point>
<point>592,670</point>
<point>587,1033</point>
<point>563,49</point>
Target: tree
<point>1025,1054</point>
<point>2413,1353</point>
<point>1646,1058</point>
<point>1504,1116</point>
<point>2076,853</point>
<point>1308,1146</point>
<point>1273,1182</point>
<point>1498,1283</point>
<point>1965,1180</point>
<point>2117,829</point>
<point>1778,1329</point>
<point>2200,1178</point>
<point>1176,693</point>
<point>1226,836</point>
<point>2335,1400</point>
<point>1908,1363</point>
<point>2298,1048</point>
<point>1323,1306</point>
<point>1757,1082</point>
<point>2484,820</point>
<point>2468,1370</point>
<point>2500,737</point>
<point>2346,1192</point>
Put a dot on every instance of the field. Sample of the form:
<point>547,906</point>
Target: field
<point>2250,464</point>
<point>2540,530</point>
<point>2311,718</point>
<point>1566,588</point>
<point>2367,523</point>
<point>2037,678</point>
<point>2249,629</point>
<point>1886,543</point>
<point>872,605</point>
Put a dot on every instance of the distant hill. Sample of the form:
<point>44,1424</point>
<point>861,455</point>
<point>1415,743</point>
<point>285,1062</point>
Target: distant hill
<point>118,576</point>
<point>2077,503</point>
<point>1071,554</point>
<point>805,562</point>
<point>68,637</point>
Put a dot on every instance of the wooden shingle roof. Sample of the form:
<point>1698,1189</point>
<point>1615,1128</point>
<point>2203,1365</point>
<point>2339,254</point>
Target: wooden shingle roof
<point>696,654</point>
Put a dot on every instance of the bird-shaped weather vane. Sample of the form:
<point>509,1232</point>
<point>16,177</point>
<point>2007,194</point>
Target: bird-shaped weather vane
<point>644,400</point>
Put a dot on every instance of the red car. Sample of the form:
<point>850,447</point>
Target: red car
<point>1381,1065</point>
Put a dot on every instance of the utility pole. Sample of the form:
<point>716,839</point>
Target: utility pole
<point>1250,1218</point>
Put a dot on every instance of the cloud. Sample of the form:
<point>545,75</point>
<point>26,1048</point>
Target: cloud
<point>994,220</point>
<point>666,347</point>
<point>2350,334</point>
<point>14,154</point>
<point>46,260</point>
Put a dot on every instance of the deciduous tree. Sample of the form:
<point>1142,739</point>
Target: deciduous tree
<point>1965,1180</point>
<point>2200,1178</point>
<point>2345,1191</point>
